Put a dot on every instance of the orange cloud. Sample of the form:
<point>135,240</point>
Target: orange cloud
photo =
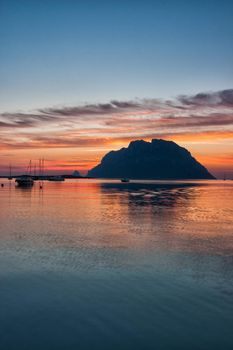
<point>203,123</point>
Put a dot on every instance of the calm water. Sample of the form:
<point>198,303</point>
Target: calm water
<point>103,265</point>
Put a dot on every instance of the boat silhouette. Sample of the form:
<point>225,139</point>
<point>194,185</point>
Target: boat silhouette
<point>24,181</point>
<point>125,180</point>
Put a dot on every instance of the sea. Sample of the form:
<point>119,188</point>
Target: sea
<point>100,264</point>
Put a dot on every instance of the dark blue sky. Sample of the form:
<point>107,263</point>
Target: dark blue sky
<point>63,52</point>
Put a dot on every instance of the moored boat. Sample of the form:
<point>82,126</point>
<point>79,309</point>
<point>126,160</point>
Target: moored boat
<point>124,180</point>
<point>24,181</point>
<point>56,178</point>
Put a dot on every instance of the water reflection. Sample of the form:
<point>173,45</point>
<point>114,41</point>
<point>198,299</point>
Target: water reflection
<point>75,215</point>
<point>167,195</point>
<point>116,260</point>
<point>24,189</point>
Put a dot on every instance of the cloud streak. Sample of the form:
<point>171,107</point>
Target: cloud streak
<point>100,125</point>
<point>223,98</point>
<point>218,99</point>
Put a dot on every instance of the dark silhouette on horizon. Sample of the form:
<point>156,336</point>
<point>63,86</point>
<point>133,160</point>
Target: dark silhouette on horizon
<point>158,159</point>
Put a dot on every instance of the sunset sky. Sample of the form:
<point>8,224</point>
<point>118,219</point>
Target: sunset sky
<point>80,78</point>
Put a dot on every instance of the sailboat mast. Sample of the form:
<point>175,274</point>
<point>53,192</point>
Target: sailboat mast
<point>41,172</point>
<point>43,166</point>
<point>10,172</point>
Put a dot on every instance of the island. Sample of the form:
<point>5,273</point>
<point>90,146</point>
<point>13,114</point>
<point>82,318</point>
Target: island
<point>158,159</point>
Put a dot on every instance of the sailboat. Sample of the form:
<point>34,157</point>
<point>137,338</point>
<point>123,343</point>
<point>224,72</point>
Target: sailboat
<point>25,180</point>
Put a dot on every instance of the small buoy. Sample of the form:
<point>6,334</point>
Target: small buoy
<point>41,187</point>
<point>2,185</point>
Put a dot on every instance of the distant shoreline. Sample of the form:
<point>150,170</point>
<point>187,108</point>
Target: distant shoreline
<point>67,177</point>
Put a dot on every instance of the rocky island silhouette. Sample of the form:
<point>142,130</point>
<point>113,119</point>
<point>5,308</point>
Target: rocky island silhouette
<point>158,159</point>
